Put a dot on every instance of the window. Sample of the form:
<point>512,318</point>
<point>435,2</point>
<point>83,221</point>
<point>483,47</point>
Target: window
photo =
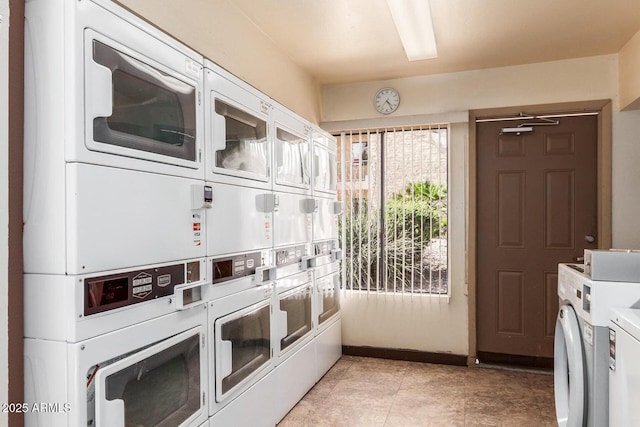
<point>393,183</point>
<point>246,142</point>
<point>152,111</point>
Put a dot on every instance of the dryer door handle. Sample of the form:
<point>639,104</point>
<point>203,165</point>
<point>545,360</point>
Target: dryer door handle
<point>112,413</point>
<point>101,91</point>
<point>226,358</point>
<point>283,324</point>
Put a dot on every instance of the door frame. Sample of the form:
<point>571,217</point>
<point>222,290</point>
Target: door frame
<point>604,143</point>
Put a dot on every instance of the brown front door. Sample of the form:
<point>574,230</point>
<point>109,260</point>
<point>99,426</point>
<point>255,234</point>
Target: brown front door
<point>537,207</point>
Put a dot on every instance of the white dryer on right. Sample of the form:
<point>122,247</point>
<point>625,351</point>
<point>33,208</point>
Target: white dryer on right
<point>624,367</point>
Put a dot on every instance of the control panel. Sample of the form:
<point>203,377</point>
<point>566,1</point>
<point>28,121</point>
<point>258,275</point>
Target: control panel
<point>237,266</point>
<point>108,292</point>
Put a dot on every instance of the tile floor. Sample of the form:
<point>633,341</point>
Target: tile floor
<point>368,392</point>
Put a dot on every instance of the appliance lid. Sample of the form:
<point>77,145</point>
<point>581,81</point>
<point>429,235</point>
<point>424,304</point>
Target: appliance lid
<point>628,319</point>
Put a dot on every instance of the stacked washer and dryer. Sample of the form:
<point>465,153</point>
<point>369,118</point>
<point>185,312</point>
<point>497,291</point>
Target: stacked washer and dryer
<point>589,294</point>
<point>170,273</point>
<point>115,271</point>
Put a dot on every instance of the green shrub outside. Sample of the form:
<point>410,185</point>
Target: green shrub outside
<point>412,218</point>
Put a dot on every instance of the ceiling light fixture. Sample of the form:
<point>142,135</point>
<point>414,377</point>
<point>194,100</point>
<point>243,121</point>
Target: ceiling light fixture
<point>415,27</point>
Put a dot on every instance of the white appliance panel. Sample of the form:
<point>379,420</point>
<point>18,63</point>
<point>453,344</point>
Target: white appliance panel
<point>57,304</point>
<point>255,407</point>
<point>118,218</point>
<point>292,223</point>
<point>238,220</point>
<point>58,372</point>
<point>325,219</point>
<point>328,348</point>
<point>624,369</point>
<point>593,299</point>
<point>295,377</point>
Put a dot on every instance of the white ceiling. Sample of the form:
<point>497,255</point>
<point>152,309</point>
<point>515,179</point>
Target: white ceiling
<point>340,41</point>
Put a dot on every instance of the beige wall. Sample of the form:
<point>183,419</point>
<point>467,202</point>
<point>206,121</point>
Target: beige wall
<point>4,218</point>
<point>626,179</point>
<point>223,34</point>
<point>433,325</point>
<point>560,81</point>
<point>630,74</point>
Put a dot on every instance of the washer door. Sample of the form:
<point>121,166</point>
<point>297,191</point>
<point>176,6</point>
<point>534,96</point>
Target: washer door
<point>569,370</point>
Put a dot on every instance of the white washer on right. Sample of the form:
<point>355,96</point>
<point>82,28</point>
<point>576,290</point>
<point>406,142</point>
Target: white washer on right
<point>581,345</point>
<point>624,367</point>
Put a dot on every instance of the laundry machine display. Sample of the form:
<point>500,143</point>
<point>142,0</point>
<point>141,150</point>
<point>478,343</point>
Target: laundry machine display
<point>238,144</point>
<point>624,369</point>
<point>326,252</point>
<point>581,350</point>
<point>233,273</point>
<point>75,308</point>
<point>151,373</point>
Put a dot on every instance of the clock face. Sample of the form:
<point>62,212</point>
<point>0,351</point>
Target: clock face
<point>386,100</point>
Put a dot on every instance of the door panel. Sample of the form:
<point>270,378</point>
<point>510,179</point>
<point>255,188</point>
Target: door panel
<point>537,201</point>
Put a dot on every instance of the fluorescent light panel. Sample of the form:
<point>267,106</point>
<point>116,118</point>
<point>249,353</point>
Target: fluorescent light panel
<point>415,27</point>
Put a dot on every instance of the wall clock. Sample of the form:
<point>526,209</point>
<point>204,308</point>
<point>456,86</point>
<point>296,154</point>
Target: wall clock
<point>386,100</point>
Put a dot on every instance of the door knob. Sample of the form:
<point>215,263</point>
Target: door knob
<point>589,238</point>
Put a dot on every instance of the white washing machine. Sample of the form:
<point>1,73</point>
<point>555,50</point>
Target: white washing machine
<point>624,367</point>
<point>581,350</point>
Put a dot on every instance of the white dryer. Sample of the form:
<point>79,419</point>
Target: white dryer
<point>294,345</point>
<point>581,350</point>
<point>150,373</point>
<point>624,367</point>
<point>113,169</point>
